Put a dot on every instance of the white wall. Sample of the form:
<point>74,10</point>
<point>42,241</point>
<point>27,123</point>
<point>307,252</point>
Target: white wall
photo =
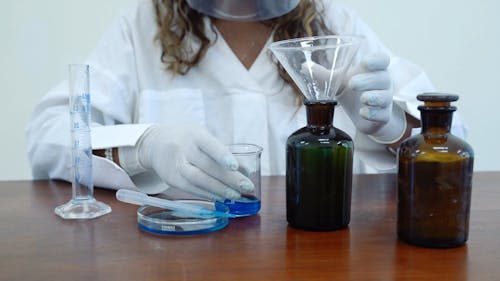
<point>456,42</point>
<point>39,39</point>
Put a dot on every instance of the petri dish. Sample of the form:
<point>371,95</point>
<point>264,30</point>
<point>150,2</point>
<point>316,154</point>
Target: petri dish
<point>167,222</point>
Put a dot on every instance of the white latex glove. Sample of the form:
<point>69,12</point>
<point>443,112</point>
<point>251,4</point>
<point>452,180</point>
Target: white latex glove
<point>367,98</point>
<point>188,158</point>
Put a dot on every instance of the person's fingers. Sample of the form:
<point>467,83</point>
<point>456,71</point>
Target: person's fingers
<point>204,181</point>
<point>376,62</point>
<point>379,80</point>
<point>185,185</point>
<point>317,71</point>
<point>375,114</point>
<point>217,151</point>
<point>376,98</point>
<point>233,179</point>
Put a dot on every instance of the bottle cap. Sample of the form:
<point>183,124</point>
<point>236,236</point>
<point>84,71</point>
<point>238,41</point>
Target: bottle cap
<point>437,101</point>
<point>437,97</point>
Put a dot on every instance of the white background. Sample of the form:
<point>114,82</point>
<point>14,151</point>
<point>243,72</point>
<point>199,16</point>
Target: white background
<point>456,41</point>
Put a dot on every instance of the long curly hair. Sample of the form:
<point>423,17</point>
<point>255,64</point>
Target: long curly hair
<point>177,21</point>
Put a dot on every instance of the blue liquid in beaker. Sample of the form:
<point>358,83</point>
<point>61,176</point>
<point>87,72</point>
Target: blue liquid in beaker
<point>247,205</point>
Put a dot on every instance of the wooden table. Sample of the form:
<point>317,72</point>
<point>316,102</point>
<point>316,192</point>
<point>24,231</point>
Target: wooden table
<point>35,244</point>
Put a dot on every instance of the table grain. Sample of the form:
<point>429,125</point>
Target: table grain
<point>35,244</point>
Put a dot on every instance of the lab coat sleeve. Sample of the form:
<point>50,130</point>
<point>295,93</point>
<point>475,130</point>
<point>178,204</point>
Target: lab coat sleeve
<point>113,88</point>
<point>409,80</point>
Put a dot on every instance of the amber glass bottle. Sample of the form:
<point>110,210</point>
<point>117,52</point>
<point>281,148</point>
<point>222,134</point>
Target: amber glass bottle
<point>319,172</point>
<point>434,179</point>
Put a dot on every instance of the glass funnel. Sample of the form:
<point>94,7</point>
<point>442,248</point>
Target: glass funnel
<point>319,156</point>
<point>317,64</point>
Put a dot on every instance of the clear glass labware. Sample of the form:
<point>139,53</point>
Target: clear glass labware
<point>248,157</point>
<point>82,204</point>
<point>317,64</point>
<point>319,156</point>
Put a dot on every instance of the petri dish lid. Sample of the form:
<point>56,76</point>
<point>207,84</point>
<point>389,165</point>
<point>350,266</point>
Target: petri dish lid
<point>167,222</point>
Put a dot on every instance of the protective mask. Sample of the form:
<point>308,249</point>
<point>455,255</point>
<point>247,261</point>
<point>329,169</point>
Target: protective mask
<point>244,10</point>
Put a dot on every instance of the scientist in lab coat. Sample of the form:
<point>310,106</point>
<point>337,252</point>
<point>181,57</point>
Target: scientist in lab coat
<point>173,81</point>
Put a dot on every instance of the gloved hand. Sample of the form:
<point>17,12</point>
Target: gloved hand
<point>191,159</point>
<point>367,98</point>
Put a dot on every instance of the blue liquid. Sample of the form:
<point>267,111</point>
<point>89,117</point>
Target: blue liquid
<point>245,206</point>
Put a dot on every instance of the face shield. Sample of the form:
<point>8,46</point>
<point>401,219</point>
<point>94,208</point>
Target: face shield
<point>243,10</point>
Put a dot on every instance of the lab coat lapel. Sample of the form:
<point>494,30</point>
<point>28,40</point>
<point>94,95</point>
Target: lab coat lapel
<point>242,106</point>
<point>226,66</point>
<point>264,72</point>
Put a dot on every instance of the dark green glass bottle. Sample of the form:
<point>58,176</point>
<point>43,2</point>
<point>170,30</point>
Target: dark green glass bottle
<point>319,172</point>
<point>434,179</point>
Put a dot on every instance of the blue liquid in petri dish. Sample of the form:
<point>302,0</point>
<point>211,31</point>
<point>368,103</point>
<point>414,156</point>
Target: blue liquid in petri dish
<point>247,205</point>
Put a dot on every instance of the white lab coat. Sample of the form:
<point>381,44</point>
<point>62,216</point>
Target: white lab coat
<point>131,89</point>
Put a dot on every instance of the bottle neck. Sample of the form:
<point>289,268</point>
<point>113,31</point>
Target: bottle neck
<point>320,116</point>
<point>436,121</point>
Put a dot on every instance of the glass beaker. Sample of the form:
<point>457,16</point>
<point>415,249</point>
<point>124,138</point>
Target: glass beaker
<point>248,157</point>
